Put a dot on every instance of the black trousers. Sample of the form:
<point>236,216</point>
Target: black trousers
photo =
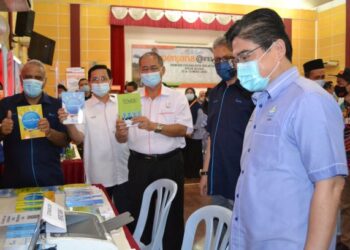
<point>143,172</point>
<point>119,196</point>
<point>193,157</point>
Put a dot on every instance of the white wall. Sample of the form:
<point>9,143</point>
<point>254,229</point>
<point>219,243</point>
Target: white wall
<point>146,35</point>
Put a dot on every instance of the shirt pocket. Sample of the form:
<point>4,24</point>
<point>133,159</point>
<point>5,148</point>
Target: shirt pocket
<point>266,145</point>
<point>166,116</point>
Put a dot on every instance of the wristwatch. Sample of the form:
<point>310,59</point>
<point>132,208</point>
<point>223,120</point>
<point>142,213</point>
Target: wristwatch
<point>203,172</point>
<point>159,128</point>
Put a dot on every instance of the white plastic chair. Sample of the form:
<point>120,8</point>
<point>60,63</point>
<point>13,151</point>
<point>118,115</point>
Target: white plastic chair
<point>166,190</point>
<point>217,219</point>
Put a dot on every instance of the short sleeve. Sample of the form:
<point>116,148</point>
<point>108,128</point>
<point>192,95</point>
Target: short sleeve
<point>318,130</point>
<point>183,113</point>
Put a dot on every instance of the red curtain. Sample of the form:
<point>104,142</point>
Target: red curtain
<point>118,55</point>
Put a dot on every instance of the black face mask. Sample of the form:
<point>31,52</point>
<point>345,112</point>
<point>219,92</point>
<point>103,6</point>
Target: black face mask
<point>340,91</point>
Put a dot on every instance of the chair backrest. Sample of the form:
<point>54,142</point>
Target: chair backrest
<point>217,227</point>
<point>166,190</point>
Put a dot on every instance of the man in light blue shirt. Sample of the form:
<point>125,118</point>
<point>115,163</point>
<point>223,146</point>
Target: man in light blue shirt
<point>293,161</point>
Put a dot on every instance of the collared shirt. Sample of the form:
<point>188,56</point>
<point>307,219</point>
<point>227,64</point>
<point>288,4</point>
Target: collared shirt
<point>293,140</point>
<point>31,162</point>
<point>230,108</point>
<point>170,107</point>
<point>105,159</point>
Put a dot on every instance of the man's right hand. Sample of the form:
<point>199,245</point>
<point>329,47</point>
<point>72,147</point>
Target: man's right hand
<point>62,115</point>
<point>7,124</point>
<point>203,185</point>
<point>121,130</point>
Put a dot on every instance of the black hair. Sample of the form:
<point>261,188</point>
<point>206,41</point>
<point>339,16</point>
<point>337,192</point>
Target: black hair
<point>100,66</point>
<point>132,84</point>
<point>193,90</point>
<point>156,55</point>
<point>61,86</point>
<point>82,79</point>
<point>328,85</point>
<point>262,26</point>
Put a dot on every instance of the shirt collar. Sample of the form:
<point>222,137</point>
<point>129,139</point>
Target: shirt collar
<point>93,100</point>
<point>277,86</point>
<point>44,99</point>
<point>164,91</point>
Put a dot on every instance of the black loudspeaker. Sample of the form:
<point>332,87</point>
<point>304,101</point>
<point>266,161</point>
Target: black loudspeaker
<point>41,48</point>
<point>24,23</point>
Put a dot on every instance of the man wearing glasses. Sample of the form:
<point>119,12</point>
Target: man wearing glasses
<point>105,159</point>
<point>293,159</point>
<point>230,107</point>
<point>155,141</point>
<point>32,162</point>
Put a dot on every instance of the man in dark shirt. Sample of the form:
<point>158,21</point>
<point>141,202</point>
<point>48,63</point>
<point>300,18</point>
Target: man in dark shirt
<point>230,107</point>
<point>32,162</point>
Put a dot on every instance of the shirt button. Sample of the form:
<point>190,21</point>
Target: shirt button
<point>254,127</point>
<point>260,106</point>
<point>237,195</point>
<point>248,150</point>
<point>242,172</point>
<point>236,218</point>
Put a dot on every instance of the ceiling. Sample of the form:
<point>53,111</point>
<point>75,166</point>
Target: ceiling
<point>290,4</point>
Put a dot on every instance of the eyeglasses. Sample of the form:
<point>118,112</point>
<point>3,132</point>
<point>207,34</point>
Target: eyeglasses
<point>244,55</point>
<point>99,79</point>
<point>224,59</point>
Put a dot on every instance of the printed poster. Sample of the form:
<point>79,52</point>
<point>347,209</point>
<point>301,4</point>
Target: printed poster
<point>28,118</point>
<point>183,64</point>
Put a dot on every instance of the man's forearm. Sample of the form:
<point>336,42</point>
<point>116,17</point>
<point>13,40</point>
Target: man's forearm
<point>207,156</point>
<point>173,130</point>
<point>323,213</point>
<point>60,139</point>
<point>75,135</point>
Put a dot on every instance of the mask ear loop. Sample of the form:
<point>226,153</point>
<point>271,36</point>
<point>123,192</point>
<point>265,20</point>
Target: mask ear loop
<point>277,64</point>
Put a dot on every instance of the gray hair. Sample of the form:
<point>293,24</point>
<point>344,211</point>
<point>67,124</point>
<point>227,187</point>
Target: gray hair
<point>156,55</point>
<point>221,41</point>
<point>36,63</point>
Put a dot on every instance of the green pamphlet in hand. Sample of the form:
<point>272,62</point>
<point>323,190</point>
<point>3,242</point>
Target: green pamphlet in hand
<point>129,106</point>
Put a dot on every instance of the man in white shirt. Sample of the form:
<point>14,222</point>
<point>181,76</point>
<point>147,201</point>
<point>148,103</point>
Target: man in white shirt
<point>105,159</point>
<point>155,144</point>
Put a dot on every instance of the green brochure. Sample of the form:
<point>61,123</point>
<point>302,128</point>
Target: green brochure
<point>129,106</point>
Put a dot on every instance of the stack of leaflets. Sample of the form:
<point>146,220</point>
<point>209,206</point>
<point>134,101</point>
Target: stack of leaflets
<point>31,201</point>
<point>73,103</point>
<point>83,197</point>
<point>18,228</point>
<point>28,119</point>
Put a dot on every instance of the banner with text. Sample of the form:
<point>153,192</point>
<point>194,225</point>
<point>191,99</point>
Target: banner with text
<point>184,66</point>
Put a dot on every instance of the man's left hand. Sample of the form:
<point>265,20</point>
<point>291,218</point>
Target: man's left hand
<point>144,123</point>
<point>44,126</point>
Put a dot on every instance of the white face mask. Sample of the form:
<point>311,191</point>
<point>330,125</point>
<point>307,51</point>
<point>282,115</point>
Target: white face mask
<point>320,82</point>
<point>190,96</point>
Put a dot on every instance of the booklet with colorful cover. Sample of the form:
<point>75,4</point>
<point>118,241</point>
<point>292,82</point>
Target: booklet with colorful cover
<point>28,118</point>
<point>129,106</point>
<point>73,103</point>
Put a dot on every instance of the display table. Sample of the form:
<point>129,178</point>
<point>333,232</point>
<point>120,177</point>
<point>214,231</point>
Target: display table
<point>122,238</point>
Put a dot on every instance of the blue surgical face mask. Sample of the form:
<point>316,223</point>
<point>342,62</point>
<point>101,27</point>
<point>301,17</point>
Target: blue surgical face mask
<point>225,70</point>
<point>249,75</point>
<point>32,87</point>
<point>100,89</point>
<point>151,79</point>
<point>85,88</point>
